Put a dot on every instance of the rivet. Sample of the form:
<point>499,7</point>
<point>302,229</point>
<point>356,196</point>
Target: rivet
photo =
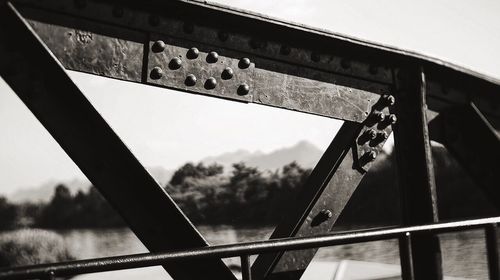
<point>212,57</point>
<point>156,73</point>
<point>345,63</point>
<point>154,20</point>
<point>378,116</point>
<point>315,57</point>
<point>373,69</point>
<point>392,119</point>
<point>175,63</point>
<point>188,27</point>
<point>210,83</point>
<point>370,156</point>
<point>244,63</point>
<point>327,213</point>
<point>223,36</point>
<point>243,89</point>
<point>388,100</point>
<point>285,50</point>
<point>193,53</point>
<point>227,74</point>
<point>370,134</point>
<point>190,80</point>
<point>80,4</point>
<point>118,12</point>
<point>158,46</point>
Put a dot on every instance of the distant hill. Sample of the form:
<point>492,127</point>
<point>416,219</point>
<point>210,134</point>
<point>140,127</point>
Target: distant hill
<point>304,153</point>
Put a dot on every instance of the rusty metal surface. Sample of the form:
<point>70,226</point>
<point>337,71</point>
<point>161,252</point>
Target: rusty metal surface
<point>472,140</point>
<point>41,82</point>
<point>327,191</point>
<point>416,173</point>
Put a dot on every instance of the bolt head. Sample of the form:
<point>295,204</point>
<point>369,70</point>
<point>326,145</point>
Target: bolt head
<point>392,119</point>
<point>156,73</point>
<point>371,134</point>
<point>315,57</point>
<point>327,213</point>
<point>243,89</point>
<point>175,63</point>
<point>389,100</point>
<point>223,36</point>
<point>378,116</point>
<point>382,136</point>
<point>285,50</point>
<point>212,57</point>
<point>158,46</point>
<point>210,83</point>
<point>190,80</point>
<point>244,63</point>
<point>193,53</point>
<point>227,74</point>
<point>370,156</point>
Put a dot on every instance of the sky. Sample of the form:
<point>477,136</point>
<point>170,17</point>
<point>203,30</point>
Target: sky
<point>167,128</point>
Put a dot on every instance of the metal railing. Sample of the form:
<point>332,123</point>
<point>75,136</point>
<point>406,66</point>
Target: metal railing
<point>244,250</point>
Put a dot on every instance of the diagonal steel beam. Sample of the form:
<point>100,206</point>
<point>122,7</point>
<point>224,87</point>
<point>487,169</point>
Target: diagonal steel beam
<point>473,141</point>
<point>327,191</point>
<point>41,82</point>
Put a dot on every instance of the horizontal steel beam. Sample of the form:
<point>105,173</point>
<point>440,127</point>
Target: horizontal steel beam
<point>239,249</point>
<point>35,75</point>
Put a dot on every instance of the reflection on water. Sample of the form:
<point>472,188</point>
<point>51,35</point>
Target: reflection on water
<point>464,253</point>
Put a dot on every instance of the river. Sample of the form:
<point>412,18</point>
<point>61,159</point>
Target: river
<point>464,253</point>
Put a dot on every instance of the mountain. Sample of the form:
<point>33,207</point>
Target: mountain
<point>304,153</point>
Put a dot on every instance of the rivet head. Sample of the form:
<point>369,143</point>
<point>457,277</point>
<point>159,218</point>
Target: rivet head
<point>118,12</point>
<point>327,213</point>
<point>223,36</point>
<point>345,63</point>
<point>158,46</point>
<point>392,119</point>
<point>243,89</point>
<point>175,63</point>
<point>210,83</point>
<point>389,100</point>
<point>190,80</point>
<point>212,57</point>
<point>154,20</point>
<point>370,156</point>
<point>285,50</point>
<point>370,134</point>
<point>315,57</point>
<point>193,53</point>
<point>227,74</point>
<point>244,63</point>
<point>156,73</point>
<point>188,27</point>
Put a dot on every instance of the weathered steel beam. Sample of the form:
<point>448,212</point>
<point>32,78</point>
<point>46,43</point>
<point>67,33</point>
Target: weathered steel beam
<point>473,141</point>
<point>41,82</point>
<point>416,173</point>
<point>327,191</point>
<point>172,58</point>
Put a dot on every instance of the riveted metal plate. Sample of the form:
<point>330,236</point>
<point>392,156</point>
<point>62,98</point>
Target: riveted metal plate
<point>176,64</point>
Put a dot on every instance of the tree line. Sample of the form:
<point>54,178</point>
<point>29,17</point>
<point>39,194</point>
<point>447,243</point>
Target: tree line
<point>249,196</point>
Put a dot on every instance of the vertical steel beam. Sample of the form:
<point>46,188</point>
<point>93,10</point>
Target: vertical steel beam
<point>406,257</point>
<point>415,171</point>
<point>246,271</point>
<point>492,248</point>
<point>41,82</point>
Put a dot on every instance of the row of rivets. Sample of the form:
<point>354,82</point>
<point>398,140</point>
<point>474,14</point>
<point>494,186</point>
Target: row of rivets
<point>371,135</point>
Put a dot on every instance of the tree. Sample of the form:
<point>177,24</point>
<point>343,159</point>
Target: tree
<point>8,214</point>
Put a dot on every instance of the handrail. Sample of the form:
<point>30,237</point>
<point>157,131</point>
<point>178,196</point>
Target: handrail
<point>232,250</point>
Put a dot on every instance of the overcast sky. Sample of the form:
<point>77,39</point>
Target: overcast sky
<point>165,128</point>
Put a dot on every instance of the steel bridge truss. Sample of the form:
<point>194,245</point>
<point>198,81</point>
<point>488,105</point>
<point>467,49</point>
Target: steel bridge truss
<point>217,51</point>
